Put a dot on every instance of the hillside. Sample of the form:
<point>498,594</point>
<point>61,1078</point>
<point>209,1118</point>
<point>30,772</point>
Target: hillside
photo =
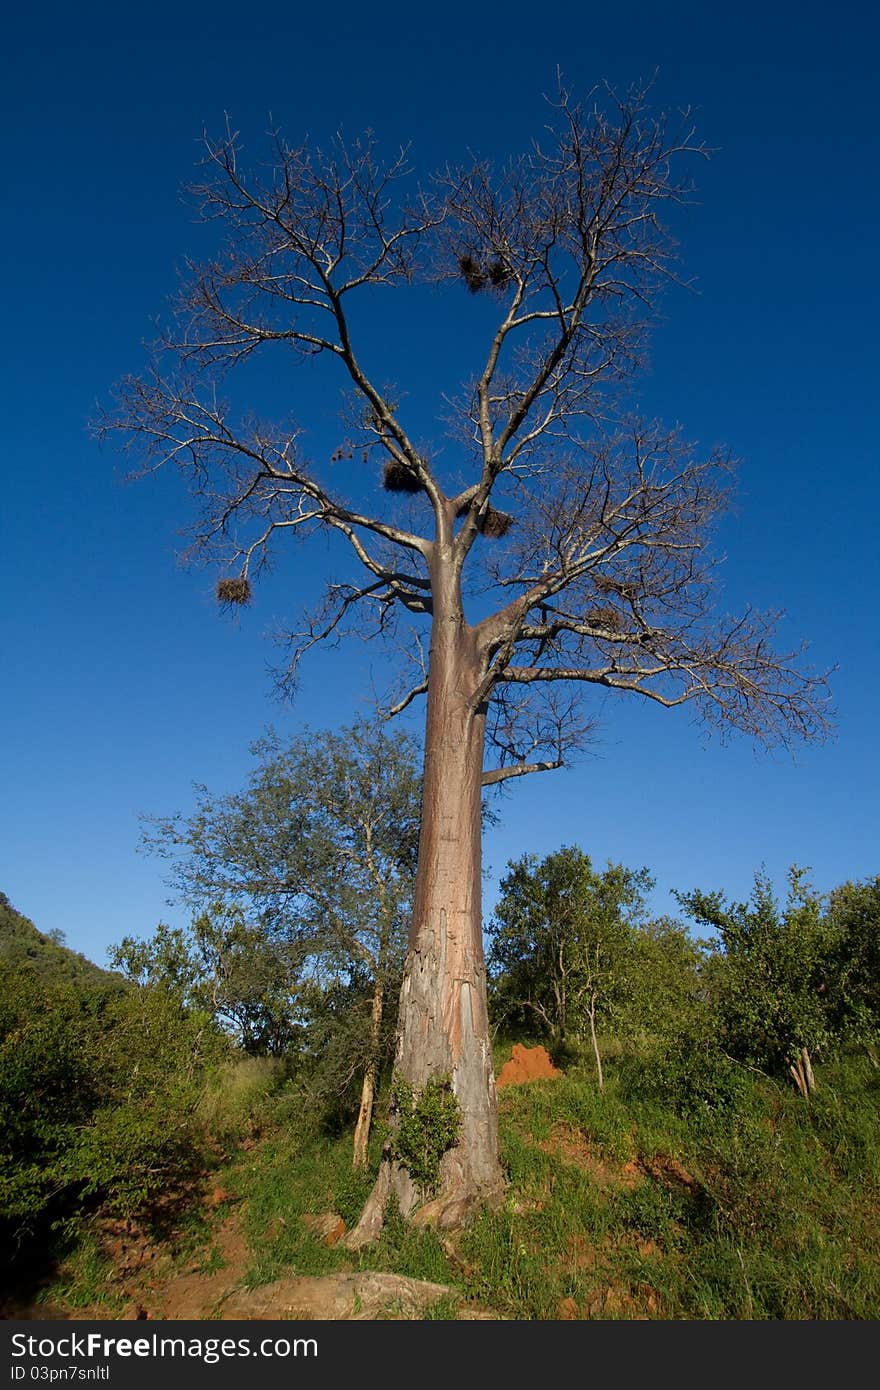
<point>622,1205</point>
<point>23,947</point>
<point>151,1169</point>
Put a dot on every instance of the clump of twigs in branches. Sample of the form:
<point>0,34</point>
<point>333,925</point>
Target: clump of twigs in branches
<point>235,591</point>
<point>471,273</point>
<point>605,616</point>
<point>396,477</point>
<point>494,524</point>
<point>494,274</point>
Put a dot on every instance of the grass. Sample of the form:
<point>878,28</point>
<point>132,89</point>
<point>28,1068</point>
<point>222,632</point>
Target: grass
<point>765,1208</point>
<point>85,1278</point>
<point>634,1202</point>
<point>300,1171</point>
<point>620,1206</point>
<point>238,1094</point>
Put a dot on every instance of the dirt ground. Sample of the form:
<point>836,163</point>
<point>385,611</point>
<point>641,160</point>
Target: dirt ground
<point>213,1287</point>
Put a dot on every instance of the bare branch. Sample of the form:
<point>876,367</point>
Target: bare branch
<point>501,774</point>
<point>589,535</point>
<point>300,242</point>
<point>570,237</point>
<point>733,678</point>
<point>400,705</point>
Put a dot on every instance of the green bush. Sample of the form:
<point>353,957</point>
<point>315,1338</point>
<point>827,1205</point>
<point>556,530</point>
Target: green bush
<point>427,1125</point>
<point>99,1095</point>
<point>691,1076</point>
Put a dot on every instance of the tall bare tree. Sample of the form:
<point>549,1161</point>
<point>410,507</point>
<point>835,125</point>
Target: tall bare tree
<point>563,550</point>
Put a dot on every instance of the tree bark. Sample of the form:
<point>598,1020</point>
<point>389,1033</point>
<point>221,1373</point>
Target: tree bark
<point>443,1026</point>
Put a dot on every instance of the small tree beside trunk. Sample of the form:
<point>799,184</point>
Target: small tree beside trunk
<point>320,851</point>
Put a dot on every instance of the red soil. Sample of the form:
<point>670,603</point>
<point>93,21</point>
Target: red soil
<point>526,1064</point>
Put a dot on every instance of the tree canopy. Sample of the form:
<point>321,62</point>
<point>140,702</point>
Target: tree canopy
<point>582,530</point>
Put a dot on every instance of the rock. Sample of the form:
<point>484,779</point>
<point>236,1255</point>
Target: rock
<point>361,1297</point>
<point>326,1226</point>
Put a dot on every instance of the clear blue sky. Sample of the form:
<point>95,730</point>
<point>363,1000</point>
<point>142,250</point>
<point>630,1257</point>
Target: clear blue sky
<point>123,685</point>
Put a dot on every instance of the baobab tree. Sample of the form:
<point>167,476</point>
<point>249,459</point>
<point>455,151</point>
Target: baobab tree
<point>548,544</point>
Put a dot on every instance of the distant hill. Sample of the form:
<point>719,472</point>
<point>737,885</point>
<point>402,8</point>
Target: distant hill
<point>23,947</point>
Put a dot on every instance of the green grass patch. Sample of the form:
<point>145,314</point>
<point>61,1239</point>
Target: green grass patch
<point>620,1204</point>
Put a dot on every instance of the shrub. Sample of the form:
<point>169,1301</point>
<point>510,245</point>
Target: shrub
<point>99,1095</point>
<point>428,1124</point>
<point>691,1076</point>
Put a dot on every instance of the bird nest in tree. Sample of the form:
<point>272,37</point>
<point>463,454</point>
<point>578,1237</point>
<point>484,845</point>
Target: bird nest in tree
<point>494,524</point>
<point>234,590</point>
<point>479,277</point>
<point>472,273</point>
<point>498,274</point>
<point>396,477</point>
<point>605,616</point>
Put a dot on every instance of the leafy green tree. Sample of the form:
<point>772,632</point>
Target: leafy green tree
<point>165,959</point>
<point>773,981</point>
<point>250,983</point>
<point>665,981</point>
<point>854,929</point>
<point>562,942</point>
<point>339,1036</point>
<point>316,858</point>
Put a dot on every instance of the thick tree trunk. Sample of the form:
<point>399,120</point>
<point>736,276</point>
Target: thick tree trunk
<point>368,1088</point>
<point>443,1026</point>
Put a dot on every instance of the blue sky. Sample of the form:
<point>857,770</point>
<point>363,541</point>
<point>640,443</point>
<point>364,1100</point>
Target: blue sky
<point>122,683</point>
